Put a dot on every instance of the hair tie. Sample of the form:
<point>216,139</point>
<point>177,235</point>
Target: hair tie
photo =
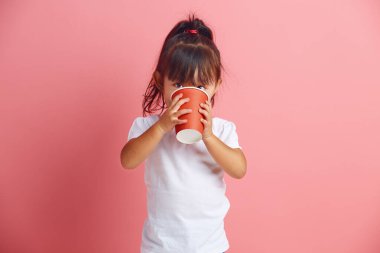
<point>192,31</point>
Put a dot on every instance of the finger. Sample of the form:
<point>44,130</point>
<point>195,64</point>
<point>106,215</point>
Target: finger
<point>175,100</point>
<point>205,106</point>
<point>179,103</point>
<point>183,111</point>
<point>180,121</point>
<point>204,112</point>
<point>204,121</point>
<point>207,110</point>
<point>209,104</point>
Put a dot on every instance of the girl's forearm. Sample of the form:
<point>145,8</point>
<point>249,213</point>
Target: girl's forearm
<point>231,160</point>
<point>138,149</point>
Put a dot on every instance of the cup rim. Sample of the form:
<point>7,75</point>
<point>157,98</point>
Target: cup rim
<point>208,96</point>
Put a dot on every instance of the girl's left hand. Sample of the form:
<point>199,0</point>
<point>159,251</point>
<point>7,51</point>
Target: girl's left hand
<point>207,121</point>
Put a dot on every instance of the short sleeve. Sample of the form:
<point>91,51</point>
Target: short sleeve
<point>138,127</point>
<point>229,135</point>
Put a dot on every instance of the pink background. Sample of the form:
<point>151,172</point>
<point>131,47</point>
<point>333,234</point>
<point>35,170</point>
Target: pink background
<point>302,86</point>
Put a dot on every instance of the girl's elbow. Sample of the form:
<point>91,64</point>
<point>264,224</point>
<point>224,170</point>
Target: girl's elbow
<point>126,163</point>
<point>127,166</point>
<point>243,167</point>
<point>241,173</point>
<point>242,170</point>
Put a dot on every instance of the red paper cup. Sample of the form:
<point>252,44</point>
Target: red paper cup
<point>191,131</point>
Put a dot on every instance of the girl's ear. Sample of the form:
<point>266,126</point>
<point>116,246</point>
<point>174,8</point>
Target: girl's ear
<point>217,85</point>
<point>157,79</point>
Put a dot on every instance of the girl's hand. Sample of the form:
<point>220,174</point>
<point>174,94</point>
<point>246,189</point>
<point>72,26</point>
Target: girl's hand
<point>207,122</point>
<point>170,117</point>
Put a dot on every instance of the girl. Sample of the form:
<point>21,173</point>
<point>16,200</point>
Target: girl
<point>186,200</point>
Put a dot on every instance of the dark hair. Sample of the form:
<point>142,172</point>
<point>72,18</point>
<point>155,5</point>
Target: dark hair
<point>182,55</point>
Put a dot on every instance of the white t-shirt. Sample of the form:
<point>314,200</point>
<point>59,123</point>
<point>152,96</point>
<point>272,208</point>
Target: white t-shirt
<point>186,201</point>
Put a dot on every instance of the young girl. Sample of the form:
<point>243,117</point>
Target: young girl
<point>185,187</point>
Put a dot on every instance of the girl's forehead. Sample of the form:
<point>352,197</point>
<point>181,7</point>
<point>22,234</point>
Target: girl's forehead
<point>187,81</point>
<point>191,79</point>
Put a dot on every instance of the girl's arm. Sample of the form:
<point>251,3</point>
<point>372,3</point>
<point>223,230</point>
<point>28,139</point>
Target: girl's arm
<point>232,160</point>
<point>138,149</point>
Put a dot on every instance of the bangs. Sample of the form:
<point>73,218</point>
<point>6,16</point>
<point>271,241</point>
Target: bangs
<point>196,64</point>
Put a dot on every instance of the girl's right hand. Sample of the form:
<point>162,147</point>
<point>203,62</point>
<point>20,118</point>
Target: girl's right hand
<point>170,117</point>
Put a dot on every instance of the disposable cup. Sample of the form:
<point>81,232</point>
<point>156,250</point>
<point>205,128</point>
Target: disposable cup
<point>191,131</point>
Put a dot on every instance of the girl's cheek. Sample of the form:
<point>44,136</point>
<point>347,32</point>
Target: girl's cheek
<point>167,101</point>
